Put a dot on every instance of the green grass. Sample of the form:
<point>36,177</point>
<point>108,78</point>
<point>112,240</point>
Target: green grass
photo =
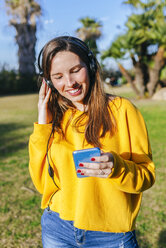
<point>20,203</point>
<point>152,217</point>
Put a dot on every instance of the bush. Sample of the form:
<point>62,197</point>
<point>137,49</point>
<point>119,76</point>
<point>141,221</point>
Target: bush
<point>12,82</point>
<point>110,73</point>
<point>123,80</point>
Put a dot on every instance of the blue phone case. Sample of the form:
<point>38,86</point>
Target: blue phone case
<point>84,155</point>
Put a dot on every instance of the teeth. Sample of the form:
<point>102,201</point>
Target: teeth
<point>74,91</point>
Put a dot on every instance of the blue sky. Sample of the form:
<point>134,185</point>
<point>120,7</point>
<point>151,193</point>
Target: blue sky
<point>61,17</point>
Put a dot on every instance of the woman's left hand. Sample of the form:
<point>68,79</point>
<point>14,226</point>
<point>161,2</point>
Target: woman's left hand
<point>99,167</point>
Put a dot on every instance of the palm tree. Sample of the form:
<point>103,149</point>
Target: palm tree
<point>23,18</point>
<point>90,32</point>
<point>145,43</point>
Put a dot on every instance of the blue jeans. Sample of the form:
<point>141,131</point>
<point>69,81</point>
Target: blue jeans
<point>57,233</point>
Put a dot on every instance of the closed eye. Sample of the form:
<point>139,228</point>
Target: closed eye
<point>76,70</point>
<point>57,77</point>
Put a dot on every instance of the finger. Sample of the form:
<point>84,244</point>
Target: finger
<point>97,166</point>
<point>94,166</point>
<point>47,95</point>
<point>102,158</point>
<point>42,90</point>
<point>105,157</point>
<point>47,87</point>
<point>95,173</point>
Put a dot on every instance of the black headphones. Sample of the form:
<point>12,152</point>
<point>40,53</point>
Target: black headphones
<point>82,45</point>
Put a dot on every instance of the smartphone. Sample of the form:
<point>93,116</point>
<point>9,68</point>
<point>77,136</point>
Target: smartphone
<point>84,155</point>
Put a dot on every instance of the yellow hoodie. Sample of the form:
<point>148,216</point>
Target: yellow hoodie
<point>97,204</point>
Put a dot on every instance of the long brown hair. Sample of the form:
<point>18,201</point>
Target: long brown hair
<point>100,119</point>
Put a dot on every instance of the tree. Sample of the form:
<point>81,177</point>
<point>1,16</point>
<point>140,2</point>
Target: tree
<point>90,32</point>
<point>144,41</point>
<point>23,18</point>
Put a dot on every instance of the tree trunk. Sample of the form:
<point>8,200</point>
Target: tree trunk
<point>139,80</point>
<point>26,40</point>
<point>154,73</point>
<point>141,73</point>
<point>129,79</point>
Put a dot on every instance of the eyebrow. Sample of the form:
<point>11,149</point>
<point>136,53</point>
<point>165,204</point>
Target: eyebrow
<point>75,66</point>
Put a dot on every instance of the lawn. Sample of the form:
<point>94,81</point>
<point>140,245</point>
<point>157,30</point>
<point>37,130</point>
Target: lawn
<point>20,203</point>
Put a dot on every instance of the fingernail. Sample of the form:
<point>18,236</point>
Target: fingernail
<point>92,159</point>
<point>81,165</point>
<point>82,173</point>
<point>78,171</point>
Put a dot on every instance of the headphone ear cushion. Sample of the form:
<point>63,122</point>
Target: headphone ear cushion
<point>49,83</point>
<point>92,64</point>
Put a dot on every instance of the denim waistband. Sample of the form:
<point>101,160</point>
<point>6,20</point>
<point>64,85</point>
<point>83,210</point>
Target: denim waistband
<point>57,232</point>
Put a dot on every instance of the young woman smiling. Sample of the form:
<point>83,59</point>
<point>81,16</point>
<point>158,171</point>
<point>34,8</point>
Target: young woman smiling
<point>74,113</point>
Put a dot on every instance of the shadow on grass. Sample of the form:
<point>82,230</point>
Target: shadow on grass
<point>142,241</point>
<point>162,239</point>
<point>12,138</point>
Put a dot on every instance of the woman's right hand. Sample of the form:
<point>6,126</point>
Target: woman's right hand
<point>44,114</point>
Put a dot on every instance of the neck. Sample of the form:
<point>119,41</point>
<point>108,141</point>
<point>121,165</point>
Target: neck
<point>80,106</point>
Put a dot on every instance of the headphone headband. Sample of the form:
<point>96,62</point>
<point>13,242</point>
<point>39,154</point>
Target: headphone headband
<point>80,44</point>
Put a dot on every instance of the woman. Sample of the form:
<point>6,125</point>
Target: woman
<point>74,113</point>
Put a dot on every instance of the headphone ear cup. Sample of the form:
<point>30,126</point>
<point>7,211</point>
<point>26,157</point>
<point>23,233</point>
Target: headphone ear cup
<point>39,62</point>
<point>93,66</point>
<point>50,84</point>
<point>92,63</point>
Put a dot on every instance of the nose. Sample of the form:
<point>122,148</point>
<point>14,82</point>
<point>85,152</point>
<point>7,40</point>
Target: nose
<point>70,81</point>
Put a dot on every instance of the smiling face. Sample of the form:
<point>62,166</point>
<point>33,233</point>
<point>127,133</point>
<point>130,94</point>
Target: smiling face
<point>69,75</point>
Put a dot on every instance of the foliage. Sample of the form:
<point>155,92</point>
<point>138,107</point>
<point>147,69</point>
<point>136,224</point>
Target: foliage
<point>144,41</point>
<point>12,82</point>
<point>109,73</point>
<point>23,11</point>
<point>142,31</point>
<point>123,80</point>
<point>90,32</point>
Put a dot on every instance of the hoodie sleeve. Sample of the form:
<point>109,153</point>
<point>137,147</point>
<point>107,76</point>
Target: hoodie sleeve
<point>138,173</point>
<point>38,164</point>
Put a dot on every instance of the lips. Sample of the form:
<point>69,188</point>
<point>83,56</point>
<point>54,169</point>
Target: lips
<point>75,92</point>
